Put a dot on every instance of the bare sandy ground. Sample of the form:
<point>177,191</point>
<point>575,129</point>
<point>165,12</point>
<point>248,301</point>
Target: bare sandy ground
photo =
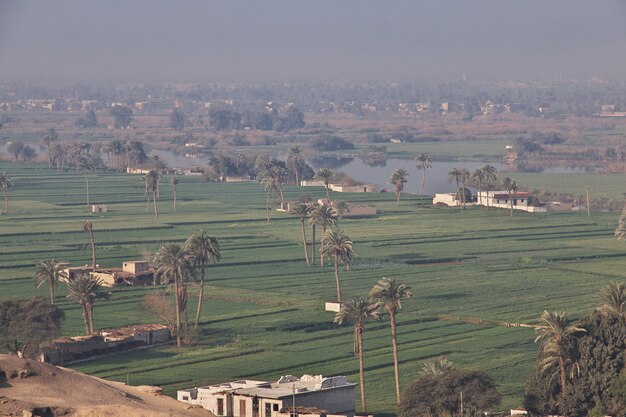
<point>68,393</point>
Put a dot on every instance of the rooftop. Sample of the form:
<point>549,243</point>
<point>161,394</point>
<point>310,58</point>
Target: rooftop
<point>284,387</point>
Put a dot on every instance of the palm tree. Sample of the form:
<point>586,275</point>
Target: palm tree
<point>399,179</point>
<point>338,245</point>
<point>511,188</point>
<point>455,175</point>
<point>620,230</point>
<point>613,298</point>
<point>437,368</point>
<point>489,175</point>
<point>389,293</point>
<point>50,136</point>
<point>85,290</point>
<point>313,222</point>
<point>174,182</point>
<point>295,162</point>
<point>358,312</point>
<point>325,175</point>
<point>202,250</point>
<point>151,181</point>
<point>326,216</point>
<point>88,227</point>
<point>172,261</point>
<point>556,337</point>
<point>465,178</point>
<point>85,167</point>
<point>478,176</point>
<point>48,272</point>
<point>5,184</point>
<point>424,162</point>
<point>302,210</point>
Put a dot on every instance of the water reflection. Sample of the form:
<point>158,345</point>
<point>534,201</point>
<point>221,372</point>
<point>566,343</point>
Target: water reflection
<point>332,162</point>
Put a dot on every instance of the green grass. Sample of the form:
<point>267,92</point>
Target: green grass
<point>263,314</point>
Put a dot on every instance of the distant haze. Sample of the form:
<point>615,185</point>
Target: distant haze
<point>257,40</point>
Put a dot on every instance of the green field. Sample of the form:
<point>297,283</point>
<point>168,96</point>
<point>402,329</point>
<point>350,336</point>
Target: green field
<point>264,315</point>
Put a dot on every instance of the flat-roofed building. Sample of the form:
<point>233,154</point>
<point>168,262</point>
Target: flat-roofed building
<point>251,398</point>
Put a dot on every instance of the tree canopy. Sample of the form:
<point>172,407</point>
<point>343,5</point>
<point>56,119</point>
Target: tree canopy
<point>26,323</point>
<point>433,395</point>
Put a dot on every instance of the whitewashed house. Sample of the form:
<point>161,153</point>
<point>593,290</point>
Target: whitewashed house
<point>251,398</point>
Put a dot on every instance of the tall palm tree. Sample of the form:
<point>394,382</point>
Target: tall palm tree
<point>313,222</point>
<point>295,162</point>
<point>510,186</point>
<point>556,336</point>
<point>5,184</point>
<point>437,368</point>
<point>48,272</point>
<point>490,176</point>
<point>465,179</point>
<point>202,250</point>
<point>325,175</point>
<point>326,216</point>
<point>85,167</point>
<point>478,176</point>
<point>174,183</point>
<point>172,262</point>
<point>398,178</point>
<point>424,162</point>
<point>455,175</point>
<point>48,138</point>
<point>358,312</point>
<point>85,290</point>
<point>88,227</point>
<point>389,293</point>
<point>613,298</point>
<point>338,245</point>
<point>151,181</point>
<point>302,210</point>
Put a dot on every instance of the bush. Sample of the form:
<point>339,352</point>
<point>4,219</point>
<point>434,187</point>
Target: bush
<point>432,395</point>
<point>331,143</point>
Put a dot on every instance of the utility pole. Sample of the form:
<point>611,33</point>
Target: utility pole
<point>293,400</point>
<point>461,403</point>
<point>588,208</point>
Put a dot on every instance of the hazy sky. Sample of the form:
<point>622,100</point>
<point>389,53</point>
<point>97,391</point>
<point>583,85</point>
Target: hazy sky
<point>202,40</point>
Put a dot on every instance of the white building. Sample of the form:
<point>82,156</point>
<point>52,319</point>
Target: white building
<point>498,199</point>
<point>250,398</point>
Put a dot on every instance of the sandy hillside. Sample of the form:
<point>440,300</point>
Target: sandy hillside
<point>69,393</point>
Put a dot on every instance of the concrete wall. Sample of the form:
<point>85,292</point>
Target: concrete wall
<point>448,199</point>
<point>340,400</point>
<point>108,279</point>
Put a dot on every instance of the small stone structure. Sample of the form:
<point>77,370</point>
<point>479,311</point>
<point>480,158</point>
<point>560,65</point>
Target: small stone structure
<point>67,350</point>
<point>99,208</point>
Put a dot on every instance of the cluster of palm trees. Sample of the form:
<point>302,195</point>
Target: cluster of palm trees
<point>334,244</point>
<point>482,178</point>
<point>272,173</point>
<point>558,335</point>
<point>82,288</point>
<point>178,264</point>
<point>385,298</point>
<point>152,187</point>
